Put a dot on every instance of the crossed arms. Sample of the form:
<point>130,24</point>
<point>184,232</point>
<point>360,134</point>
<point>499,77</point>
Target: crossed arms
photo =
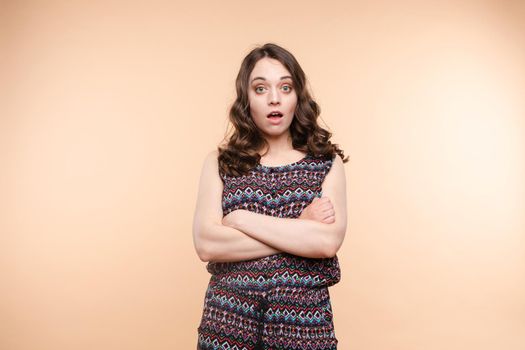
<point>243,235</point>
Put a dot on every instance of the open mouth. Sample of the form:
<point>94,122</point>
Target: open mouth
<point>275,115</point>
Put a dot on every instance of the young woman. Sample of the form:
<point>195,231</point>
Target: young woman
<point>271,215</point>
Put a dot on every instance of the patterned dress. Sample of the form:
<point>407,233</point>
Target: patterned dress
<point>279,301</point>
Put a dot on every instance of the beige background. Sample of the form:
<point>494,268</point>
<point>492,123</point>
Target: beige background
<point>107,109</point>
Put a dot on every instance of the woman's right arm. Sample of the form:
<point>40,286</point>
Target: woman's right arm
<point>212,240</point>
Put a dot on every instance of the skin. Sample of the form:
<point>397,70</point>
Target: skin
<point>271,89</point>
<point>242,234</point>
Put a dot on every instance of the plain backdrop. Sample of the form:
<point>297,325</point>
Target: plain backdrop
<point>108,108</point>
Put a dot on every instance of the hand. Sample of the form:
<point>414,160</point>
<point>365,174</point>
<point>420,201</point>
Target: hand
<point>320,209</point>
<point>231,218</point>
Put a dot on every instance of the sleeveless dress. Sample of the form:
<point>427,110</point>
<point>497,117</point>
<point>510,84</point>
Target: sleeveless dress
<point>279,301</point>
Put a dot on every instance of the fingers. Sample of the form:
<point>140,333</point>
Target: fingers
<point>328,214</point>
<point>321,209</point>
<point>329,220</point>
<point>324,207</point>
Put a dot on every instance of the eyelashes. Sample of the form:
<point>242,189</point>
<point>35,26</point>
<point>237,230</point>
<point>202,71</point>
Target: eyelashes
<point>287,88</point>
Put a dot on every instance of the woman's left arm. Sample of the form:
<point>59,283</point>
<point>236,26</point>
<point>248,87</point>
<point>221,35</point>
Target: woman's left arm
<point>301,237</point>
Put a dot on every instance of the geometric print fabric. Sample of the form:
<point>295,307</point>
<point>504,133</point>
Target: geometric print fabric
<point>279,301</point>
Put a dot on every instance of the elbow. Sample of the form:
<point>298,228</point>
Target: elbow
<point>201,248</point>
<point>329,250</point>
<point>205,245</point>
<point>203,255</point>
<point>331,247</point>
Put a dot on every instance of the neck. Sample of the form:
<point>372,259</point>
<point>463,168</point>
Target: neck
<point>279,145</point>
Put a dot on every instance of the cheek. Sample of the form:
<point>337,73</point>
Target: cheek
<point>293,101</point>
<point>256,108</point>
<point>293,106</point>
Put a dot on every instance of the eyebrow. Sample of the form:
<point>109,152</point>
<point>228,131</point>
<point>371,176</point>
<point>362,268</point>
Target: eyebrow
<point>282,78</point>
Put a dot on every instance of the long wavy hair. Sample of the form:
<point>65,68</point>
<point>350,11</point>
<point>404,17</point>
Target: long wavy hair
<point>240,153</point>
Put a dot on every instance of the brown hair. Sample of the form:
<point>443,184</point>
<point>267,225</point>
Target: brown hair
<point>240,154</point>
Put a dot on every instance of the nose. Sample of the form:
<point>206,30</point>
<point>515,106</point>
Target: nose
<point>274,98</point>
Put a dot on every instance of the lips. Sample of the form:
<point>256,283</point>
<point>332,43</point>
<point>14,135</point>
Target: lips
<point>274,114</point>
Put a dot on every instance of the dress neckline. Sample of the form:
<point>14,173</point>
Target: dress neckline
<point>284,165</point>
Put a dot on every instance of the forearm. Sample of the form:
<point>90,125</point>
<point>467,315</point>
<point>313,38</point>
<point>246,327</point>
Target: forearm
<point>301,237</point>
<point>223,243</point>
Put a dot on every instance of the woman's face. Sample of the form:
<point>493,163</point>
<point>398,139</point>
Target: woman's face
<point>270,89</point>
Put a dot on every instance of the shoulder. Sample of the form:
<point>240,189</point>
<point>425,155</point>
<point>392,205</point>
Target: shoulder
<point>334,163</point>
<point>337,161</point>
<point>212,156</point>
<point>210,163</point>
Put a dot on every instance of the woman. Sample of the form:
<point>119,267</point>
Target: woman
<point>271,215</point>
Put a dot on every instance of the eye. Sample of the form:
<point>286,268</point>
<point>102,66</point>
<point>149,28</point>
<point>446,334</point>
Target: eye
<point>259,89</point>
<point>287,88</point>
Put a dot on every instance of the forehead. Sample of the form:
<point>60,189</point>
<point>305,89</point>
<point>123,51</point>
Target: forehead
<point>269,68</point>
